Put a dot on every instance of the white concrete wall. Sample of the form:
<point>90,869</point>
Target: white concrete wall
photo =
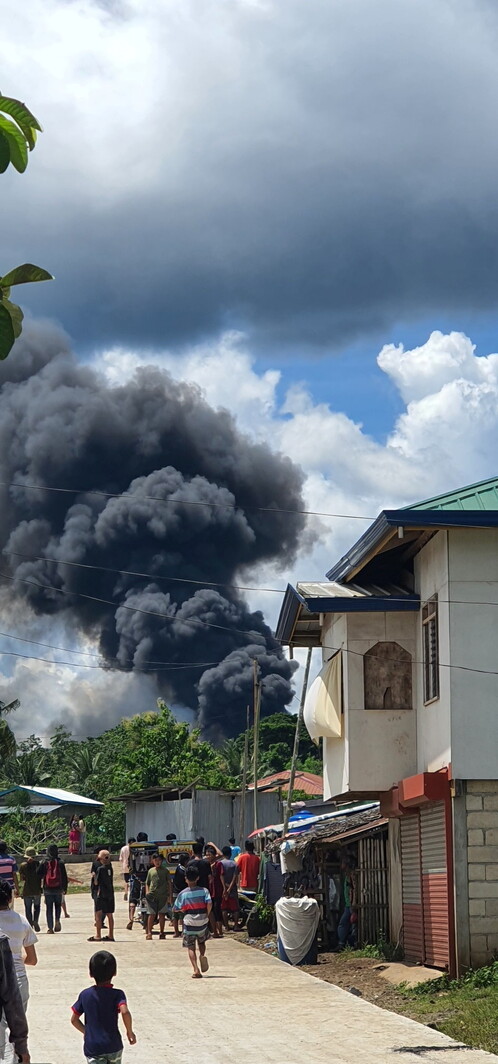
<point>433,720</point>
<point>378,747</point>
<point>473,572</point>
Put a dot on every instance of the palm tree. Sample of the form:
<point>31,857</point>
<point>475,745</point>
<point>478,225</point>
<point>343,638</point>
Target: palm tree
<point>232,758</point>
<point>8,745</point>
<point>27,769</point>
<point>82,762</point>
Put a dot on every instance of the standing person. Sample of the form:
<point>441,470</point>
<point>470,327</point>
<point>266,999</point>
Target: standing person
<point>104,897</point>
<point>195,904</point>
<point>53,873</point>
<point>229,879</point>
<point>202,865</point>
<point>179,884</point>
<point>74,836</point>
<point>22,941</point>
<point>11,1003</point>
<point>215,889</point>
<point>31,887</point>
<point>346,929</point>
<point>158,894</point>
<point>8,868</point>
<point>101,1005</point>
<point>139,866</point>
<point>248,865</point>
<point>82,831</point>
<point>234,848</point>
<point>124,860</point>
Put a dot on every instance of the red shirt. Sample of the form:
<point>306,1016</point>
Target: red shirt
<point>249,871</point>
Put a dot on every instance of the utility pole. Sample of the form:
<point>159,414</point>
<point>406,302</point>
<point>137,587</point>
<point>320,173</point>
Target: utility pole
<point>296,742</point>
<point>242,820</point>
<point>257,704</point>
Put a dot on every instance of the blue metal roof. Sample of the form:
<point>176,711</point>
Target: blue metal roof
<point>303,605</point>
<point>381,530</point>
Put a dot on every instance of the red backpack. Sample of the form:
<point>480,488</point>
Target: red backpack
<point>53,877</point>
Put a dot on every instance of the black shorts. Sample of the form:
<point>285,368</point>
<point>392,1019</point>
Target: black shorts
<point>135,891</point>
<point>217,910</point>
<point>104,905</point>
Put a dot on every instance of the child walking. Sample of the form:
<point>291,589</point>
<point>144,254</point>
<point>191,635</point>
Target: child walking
<point>101,1005</point>
<point>195,904</point>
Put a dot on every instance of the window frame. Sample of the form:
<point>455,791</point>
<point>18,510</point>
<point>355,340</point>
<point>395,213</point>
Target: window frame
<point>430,650</point>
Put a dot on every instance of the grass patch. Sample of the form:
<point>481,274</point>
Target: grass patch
<point>465,1009</point>
<point>466,1014</point>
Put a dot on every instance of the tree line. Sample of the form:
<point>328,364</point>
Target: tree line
<point>146,750</point>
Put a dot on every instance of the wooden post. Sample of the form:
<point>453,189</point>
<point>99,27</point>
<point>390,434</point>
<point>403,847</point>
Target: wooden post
<point>295,751</point>
<point>242,818</point>
<point>257,703</point>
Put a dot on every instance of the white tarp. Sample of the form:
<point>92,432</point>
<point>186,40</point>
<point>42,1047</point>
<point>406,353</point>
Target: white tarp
<point>297,921</point>
<point>323,706</point>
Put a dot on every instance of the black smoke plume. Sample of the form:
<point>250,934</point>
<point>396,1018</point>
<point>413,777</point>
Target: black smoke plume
<point>162,448</point>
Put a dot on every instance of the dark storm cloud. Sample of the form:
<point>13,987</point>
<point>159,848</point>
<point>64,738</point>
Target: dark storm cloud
<point>193,491</point>
<point>311,170</point>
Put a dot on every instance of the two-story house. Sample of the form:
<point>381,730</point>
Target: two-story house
<point>407,707</point>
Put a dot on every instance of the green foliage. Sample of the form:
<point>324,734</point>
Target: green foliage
<point>380,950</point>
<point>17,133</point>
<point>18,130</point>
<point>20,830</point>
<point>146,750</point>
<point>7,741</point>
<point>265,911</point>
<point>475,978</point>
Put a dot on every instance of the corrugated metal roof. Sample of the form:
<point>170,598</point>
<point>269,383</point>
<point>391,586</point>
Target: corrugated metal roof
<point>303,781</point>
<point>332,589</point>
<point>480,496</point>
<point>341,827</point>
<point>52,794</point>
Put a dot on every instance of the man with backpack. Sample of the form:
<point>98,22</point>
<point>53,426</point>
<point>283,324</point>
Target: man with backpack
<point>54,876</point>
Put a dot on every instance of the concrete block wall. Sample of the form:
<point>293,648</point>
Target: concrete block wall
<point>482,856</point>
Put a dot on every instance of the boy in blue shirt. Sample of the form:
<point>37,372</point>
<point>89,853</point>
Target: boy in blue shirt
<point>101,1005</point>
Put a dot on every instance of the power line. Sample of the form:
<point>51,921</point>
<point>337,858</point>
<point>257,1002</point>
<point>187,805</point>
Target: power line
<point>201,583</point>
<point>200,620</point>
<point>94,654</point>
<point>180,502</point>
<point>145,576</point>
<point>116,667</point>
<point>413,661</point>
<point>125,606</point>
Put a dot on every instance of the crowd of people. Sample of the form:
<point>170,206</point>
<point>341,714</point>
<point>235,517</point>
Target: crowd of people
<point>201,894</point>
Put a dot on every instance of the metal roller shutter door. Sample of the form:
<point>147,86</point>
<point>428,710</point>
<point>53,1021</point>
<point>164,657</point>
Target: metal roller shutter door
<point>435,885</point>
<point>413,924</point>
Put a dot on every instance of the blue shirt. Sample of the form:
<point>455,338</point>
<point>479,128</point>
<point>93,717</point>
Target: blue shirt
<point>100,1004</point>
<point>235,851</point>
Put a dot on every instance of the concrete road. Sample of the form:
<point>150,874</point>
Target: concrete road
<point>249,1007</point>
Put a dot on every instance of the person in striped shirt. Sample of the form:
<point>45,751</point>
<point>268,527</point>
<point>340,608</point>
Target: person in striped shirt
<point>195,904</point>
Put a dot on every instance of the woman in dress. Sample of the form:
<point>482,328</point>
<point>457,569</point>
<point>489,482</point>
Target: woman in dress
<point>74,836</point>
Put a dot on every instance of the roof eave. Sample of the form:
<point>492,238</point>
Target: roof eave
<point>365,604</point>
<point>288,615</point>
<point>379,533</point>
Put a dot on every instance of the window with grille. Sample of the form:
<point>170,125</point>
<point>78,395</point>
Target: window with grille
<point>431,650</point>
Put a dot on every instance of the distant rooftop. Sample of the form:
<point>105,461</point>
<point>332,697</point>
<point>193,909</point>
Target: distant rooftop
<point>308,782</point>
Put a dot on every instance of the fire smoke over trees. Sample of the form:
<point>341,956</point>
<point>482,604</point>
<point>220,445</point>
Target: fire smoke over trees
<point>191,491</point>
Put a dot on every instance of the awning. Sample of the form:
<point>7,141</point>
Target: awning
<point>323,706</point>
